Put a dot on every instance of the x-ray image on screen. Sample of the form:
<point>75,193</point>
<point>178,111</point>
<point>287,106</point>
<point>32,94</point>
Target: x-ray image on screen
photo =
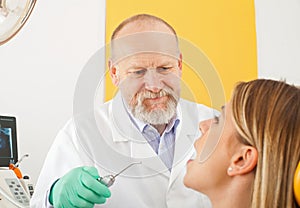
<point>5,143</point>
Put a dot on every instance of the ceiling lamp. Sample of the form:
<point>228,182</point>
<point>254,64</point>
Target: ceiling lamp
<point>13,15</point>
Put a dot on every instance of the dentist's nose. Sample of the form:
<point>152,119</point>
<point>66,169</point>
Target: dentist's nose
<point>153,81</point>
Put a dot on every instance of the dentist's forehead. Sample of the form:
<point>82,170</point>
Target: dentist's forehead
<point>140,36</point>
<point>144,42</point>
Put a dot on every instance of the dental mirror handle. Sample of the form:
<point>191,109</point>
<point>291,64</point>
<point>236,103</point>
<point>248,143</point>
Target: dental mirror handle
<point>135,163</point>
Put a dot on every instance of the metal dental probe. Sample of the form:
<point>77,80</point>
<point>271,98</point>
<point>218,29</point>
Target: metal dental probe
<point>110,179</point>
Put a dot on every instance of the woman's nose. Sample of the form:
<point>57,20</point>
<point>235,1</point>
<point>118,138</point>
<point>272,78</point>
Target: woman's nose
<point>205,125</point>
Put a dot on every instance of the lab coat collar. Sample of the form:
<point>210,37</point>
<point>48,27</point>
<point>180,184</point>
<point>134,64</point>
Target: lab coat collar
<point>123,128</point>
<point>125,131</point>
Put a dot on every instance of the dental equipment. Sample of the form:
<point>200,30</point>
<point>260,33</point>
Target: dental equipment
<point>110,179</point>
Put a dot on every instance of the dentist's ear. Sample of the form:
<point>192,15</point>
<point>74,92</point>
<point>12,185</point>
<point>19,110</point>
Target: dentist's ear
<point>180,61</point>
<point>180,64</point>
<point>114,73</point>
<point>243,161</point>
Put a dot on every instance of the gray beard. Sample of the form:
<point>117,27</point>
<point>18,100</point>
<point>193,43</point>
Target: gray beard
<point>157,116</point>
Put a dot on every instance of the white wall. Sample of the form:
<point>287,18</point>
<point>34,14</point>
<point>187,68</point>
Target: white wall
<point>278,39</point>
<point>39,68</point>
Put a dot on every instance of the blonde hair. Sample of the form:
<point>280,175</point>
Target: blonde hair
<point>266,114</point>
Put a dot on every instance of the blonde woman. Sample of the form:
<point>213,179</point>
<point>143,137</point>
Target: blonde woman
<point>247,157</point>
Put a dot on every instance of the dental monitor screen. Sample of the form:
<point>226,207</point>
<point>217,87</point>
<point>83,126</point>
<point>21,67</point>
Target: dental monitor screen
<point>8,141</point>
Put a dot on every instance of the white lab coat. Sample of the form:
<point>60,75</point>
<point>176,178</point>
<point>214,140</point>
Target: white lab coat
<point>114,144</point>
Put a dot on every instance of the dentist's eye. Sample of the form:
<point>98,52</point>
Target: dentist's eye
<point>137,73</point>
<point>140,72</point>
<point>164,70</point>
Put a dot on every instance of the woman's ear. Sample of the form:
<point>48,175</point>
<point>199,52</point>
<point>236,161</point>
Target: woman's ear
<point>114,73</point>
<point>243,161</point>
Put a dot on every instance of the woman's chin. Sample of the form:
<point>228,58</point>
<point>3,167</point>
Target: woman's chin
<point>187,181</point>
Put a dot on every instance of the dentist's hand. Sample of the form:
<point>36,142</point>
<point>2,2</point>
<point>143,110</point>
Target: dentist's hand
<point>79,188</point>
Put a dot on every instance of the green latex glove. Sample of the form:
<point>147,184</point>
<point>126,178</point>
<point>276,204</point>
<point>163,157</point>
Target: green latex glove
<point>79,188</point>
